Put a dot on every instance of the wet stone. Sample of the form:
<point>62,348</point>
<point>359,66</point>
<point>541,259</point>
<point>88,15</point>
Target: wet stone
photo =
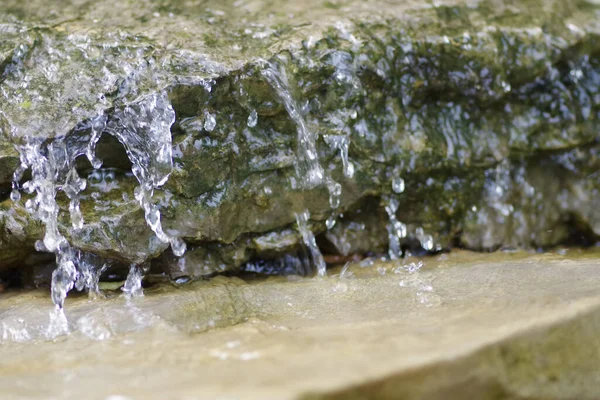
<point>135,132</point>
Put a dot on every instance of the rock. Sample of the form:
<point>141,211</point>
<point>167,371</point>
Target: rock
<point>507,325</point>
<point>476,106</point>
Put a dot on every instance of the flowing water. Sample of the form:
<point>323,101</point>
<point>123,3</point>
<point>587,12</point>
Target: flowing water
<point>357,96</point>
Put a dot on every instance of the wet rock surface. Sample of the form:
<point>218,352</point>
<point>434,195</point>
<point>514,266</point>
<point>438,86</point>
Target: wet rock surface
<point>503,326</point>
<point>472,124</point>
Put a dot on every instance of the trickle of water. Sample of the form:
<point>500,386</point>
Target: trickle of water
<point>308,170</point>
<point>425,239</point>
<point>310,242</point>
<point>52,169</point>
<point>64,276</point>
<point>252,119</point>
<point>396,229</point>
<point>89,272</point>
<point>398,185</point>
<point>335,196</point>
<point>342,143</point>
<point>144,128</point>
<point>133,284</point>
<point>97,126</point>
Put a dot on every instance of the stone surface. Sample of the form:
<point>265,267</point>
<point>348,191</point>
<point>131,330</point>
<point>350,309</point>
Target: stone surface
<point>488,111</point>
<point>507,326</point>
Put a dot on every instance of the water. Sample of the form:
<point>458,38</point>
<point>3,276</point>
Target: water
<point>52,169</point>
<point>360,96</point>
<point>252,119</point>
<point>396,229</point>
<point>133,284</point>
<point>308,238</point>
<point>142,126</point>
<point>398,185</point>
<point>308,169</point>
<point>342,143</point>
<point>210,122</point>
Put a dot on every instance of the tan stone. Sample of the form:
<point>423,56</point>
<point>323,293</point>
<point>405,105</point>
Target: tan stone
<point>491,327</point>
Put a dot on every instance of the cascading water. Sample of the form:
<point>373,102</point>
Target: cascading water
<point>133,284</point>
<point>48,144</point>
<point>52,169</point>
<point>310,242</point>
<point>144,128</point>
<point>308,169</point>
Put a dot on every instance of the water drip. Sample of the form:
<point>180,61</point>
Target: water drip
<point>398,185</point>
<point>342,143</point>
<point>308,170</point>
<point>310,242</point>
<point>307,167</point>
<point>133,284</point>
<point>210,122</point>
<point>425,239</point>
<point>396,229</point>
<point>335,195</point>
<point>252,119</point>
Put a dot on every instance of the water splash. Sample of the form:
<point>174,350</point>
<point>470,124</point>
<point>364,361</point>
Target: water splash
<point>420,282</point>
<point>58,324</point>
<point>310,242</point>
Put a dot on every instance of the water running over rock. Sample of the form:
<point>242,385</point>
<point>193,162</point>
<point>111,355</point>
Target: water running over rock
<point>393,132</point>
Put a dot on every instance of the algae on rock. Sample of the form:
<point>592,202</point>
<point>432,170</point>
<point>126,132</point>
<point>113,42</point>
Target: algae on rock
<point>487,110</point>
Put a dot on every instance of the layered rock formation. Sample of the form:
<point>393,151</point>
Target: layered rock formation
<point>218,123</point>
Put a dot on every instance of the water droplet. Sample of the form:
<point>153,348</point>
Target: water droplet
<point>210,122</point>
<point>15,196</point>
<point>426,240</point>
<point>396,229</point>
<point>330,223</point>
<point>398,185</point>
<point>252,119</point>
<point>310,242</point>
